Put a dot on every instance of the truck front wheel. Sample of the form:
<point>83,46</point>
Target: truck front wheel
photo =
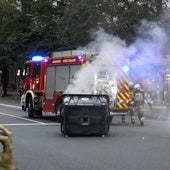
<point>30,108</point>
<point>23,108</point>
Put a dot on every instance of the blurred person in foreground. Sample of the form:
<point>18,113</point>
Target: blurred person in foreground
<point>7,155</point>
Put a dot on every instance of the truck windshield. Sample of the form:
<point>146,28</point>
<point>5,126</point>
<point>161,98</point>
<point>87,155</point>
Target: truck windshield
<point>37,68</point>
<point>26,71</point>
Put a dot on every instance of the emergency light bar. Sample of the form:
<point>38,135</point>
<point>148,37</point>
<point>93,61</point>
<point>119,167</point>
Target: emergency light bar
<point>80,58</point>
<point>37,58</point>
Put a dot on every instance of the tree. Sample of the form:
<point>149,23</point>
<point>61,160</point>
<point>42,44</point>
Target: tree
<point>28,26</point>
<point>118,17</point>
<point>128,14</point>
<point>48,25</point>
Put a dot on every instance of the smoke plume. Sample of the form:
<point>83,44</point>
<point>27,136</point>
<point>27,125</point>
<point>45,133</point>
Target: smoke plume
<point>112,51</point>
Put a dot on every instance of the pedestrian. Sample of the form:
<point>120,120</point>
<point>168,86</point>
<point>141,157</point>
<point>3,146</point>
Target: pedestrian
<point>4,79</point>
<point>1,83</point>
<point>149,101</point>
<point>7,155</point>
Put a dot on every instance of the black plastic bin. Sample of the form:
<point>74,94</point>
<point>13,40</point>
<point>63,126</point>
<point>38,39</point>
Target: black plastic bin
<point>85,115</point>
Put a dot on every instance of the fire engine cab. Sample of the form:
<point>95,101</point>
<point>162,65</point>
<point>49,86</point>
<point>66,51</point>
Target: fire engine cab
<point>44,80</point>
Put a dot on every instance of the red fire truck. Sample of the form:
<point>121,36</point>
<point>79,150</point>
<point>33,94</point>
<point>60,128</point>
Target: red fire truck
<point>45,79</point>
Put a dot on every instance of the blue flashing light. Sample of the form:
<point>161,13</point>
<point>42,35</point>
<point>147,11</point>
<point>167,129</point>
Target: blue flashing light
<point>80,58</point>
<point>37,58</point>
<point>125,69</point>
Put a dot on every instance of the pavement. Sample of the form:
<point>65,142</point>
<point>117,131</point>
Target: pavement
<point>12,95</point>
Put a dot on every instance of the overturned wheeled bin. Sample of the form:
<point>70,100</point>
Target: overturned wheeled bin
<point>85,115</point>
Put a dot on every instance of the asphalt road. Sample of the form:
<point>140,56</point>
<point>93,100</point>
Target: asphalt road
<point>39,145</point>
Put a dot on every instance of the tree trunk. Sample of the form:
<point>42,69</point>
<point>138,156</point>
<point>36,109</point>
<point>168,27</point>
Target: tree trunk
<point>159,6</point>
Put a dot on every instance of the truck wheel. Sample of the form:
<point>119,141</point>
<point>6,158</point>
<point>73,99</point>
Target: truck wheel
<point>30,108</point>
<point>38,113</point>
<point>23,108</point>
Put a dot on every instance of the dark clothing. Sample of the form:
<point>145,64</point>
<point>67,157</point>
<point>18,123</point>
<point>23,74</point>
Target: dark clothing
<point>4,79</point>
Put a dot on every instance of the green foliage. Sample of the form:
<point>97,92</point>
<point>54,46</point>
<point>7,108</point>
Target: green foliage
<point>48,25</point>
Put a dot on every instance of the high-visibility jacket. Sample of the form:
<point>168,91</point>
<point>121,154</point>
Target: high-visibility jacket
<point>138,97</point>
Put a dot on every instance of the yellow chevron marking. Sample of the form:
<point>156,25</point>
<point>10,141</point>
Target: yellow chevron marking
<point>119,105</point>
<point>122,105</point>
<point>125,106</point>
<point>122,96</point>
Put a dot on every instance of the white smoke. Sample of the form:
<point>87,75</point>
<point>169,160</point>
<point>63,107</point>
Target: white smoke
<point>148,47</point>
<point>111,50</point>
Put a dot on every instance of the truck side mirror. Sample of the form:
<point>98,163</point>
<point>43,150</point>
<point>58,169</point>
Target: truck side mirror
<point>19,73</point>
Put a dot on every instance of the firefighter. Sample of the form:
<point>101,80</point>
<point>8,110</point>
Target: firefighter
<point>137,103</point>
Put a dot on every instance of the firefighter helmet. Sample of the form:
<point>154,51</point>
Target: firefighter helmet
<point>137,86</point>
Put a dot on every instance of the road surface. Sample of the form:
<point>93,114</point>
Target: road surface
<point>39,144</point>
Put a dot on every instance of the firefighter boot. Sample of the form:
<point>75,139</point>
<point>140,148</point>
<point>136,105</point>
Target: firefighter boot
<point>133,119</point>
<point>142,121</point>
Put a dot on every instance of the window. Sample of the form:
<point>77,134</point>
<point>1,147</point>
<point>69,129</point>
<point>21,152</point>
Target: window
<point>37,68</point>
<point>26,71</point>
